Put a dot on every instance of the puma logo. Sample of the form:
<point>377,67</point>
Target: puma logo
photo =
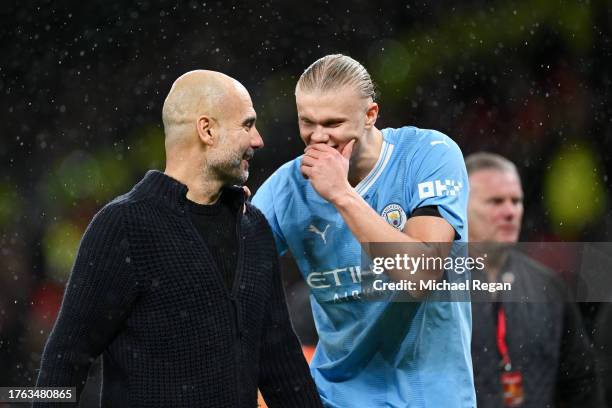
<point>314,229</point>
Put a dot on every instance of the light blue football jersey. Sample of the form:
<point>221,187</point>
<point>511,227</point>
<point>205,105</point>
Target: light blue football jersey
<point>378,353</point>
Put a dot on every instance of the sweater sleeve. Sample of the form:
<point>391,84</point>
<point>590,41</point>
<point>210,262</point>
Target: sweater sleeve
<point>284,378</point>
<point>97,299</point>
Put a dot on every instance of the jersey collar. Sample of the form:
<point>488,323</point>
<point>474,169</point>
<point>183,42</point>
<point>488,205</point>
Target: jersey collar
<point>383,159</point>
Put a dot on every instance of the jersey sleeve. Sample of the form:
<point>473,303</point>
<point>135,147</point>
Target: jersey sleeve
<point>264,200</point>
<point>438,177</point>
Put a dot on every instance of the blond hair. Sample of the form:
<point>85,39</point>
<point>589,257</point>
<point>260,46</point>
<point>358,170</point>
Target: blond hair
<point>336,71</point>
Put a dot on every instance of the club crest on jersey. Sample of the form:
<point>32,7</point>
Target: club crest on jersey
<point>395,215</point>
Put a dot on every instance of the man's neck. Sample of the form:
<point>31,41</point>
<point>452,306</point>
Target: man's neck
<point>496,257</point>
<point>203,188</point>
<point>366,156</point>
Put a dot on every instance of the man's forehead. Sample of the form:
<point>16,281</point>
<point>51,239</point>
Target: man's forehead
<point>493,180</point>
<point>240,101</point>
<point>250,113</point>
<point>343,101</point>
<point>240,90</point>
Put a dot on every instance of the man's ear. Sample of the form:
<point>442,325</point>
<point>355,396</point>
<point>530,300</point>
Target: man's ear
<point>371,115</point>
<point>206,128</point>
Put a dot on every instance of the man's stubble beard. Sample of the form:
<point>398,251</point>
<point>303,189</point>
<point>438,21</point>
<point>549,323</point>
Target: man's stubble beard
<point>228,171</point>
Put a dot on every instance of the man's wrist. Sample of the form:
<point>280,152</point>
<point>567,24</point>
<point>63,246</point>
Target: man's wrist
<point>345,198</point>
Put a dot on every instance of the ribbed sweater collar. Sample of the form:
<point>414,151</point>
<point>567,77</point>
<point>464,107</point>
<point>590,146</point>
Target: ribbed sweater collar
<point>172,193</point>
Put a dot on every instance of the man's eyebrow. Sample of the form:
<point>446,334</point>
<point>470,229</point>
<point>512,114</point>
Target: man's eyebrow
<point>329,120</point>
<point>249,121</point>
<point>332,121</point>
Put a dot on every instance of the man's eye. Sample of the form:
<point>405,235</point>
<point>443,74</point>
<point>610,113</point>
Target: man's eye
<point>333,124</point>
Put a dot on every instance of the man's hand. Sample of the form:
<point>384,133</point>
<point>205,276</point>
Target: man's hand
<point>327,169</point>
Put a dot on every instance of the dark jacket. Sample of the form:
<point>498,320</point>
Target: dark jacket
<point>146,294</point>
<point>603,342</point>
<point>546,341</point>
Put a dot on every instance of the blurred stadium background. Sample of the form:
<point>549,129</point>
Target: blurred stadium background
<point>82,85</point>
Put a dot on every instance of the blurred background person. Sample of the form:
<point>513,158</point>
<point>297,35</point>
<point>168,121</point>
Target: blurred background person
<point>529,346</point>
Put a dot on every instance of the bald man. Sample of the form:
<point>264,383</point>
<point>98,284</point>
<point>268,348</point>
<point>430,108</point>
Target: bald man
<point>176,283</point>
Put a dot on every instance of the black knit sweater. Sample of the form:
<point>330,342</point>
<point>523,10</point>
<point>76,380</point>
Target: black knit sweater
<point>146,294</point>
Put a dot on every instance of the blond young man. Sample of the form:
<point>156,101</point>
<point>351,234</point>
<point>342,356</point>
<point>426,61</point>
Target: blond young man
<point>358,184</point>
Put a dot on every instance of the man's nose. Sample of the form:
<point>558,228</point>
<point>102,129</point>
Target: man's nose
<point>509,210</point>
<point>319,135</point>
<point>256,140</point>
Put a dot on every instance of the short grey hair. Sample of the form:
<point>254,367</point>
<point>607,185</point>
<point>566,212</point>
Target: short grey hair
<point>488,161</point>
<point>336,71</point>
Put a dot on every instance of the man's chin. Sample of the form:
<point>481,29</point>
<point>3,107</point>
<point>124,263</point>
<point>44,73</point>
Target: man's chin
<point>507,239</point>
<point>241,178</point>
